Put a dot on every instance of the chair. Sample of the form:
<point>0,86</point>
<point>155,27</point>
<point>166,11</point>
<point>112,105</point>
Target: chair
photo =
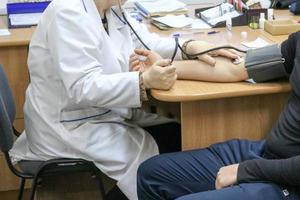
<point>36,169</point>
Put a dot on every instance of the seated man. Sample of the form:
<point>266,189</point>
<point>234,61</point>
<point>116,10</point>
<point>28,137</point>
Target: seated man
<point>236,169</point>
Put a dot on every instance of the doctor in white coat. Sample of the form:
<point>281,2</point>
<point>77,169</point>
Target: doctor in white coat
<point>82,101</point>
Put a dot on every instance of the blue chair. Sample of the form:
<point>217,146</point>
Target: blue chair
<point>34,169</point>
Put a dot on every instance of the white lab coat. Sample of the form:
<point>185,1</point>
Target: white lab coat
<point>82,101</point>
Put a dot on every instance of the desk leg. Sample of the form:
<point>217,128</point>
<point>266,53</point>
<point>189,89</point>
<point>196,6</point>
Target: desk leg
<point>210,121</point>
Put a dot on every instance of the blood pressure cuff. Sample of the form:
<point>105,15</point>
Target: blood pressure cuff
<point>265,63</point>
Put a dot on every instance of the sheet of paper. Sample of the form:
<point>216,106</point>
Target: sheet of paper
<point>25,19</point>
<point>250,81</point>
<point>175,21</point>
<point>199,24</point>
<point>181,21</point>
<point>259,42</point>
<point>4,32</point>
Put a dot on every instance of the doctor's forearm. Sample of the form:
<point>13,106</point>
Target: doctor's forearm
<point>223,71</point>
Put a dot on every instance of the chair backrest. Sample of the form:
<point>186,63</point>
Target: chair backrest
<point>7,113</point>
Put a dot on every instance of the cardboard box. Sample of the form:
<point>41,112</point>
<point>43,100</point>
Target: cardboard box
<point>282,27</point>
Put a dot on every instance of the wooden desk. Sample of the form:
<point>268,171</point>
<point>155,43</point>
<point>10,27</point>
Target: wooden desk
<point>215,112</point>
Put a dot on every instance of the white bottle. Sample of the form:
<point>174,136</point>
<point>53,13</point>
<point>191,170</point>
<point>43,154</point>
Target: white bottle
<point>229,24</point>
<point>262,21</point>
<point>270,14</point>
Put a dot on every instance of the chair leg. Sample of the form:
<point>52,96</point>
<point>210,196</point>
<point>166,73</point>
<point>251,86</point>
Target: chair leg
<point>101,185</point>
<point>21,190</point>
<point>34,185</point>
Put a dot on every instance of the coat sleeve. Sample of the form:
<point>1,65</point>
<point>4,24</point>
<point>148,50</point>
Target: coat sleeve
<point>76,46</point>
<point>164,46</point>
<point>282,171</point>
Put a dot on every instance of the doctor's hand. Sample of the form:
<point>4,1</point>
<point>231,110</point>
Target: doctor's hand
<point>226,176</point>
<point>161,75</point>
<point>142,59</point>
<point>194,47</point>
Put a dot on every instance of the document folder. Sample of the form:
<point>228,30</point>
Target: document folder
<point>20,15</point>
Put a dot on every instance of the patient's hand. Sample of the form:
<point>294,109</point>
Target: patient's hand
<point>142,59</point>
<point>227,176</point>
<point>200,46</point>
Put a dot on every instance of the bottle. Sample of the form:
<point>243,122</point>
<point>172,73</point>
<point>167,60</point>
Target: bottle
<point>262,21</point>
<point>229,24</point>
<point>270,14</point>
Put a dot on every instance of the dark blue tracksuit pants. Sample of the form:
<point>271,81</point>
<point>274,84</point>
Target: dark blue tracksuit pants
<point>190,175</point>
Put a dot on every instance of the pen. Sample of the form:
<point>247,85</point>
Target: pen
<point>213,32</point>
<point>190,33</point>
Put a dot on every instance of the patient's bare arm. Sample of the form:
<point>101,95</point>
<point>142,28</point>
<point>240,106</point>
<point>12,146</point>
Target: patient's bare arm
<point>223,71</point>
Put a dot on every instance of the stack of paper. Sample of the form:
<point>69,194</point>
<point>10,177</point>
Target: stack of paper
<point>25,19</point>
<point>24,13</point>
<point>4,32</point>
<point>151,8</point>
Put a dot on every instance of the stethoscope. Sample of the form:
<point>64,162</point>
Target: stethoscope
<point>176,37</point>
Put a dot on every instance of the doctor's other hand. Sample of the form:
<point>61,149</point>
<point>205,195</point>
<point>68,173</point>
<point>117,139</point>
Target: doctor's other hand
<point>194,47</point>
<point>142,59</point>
<point>161,75</point>
<point>226,176</point>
